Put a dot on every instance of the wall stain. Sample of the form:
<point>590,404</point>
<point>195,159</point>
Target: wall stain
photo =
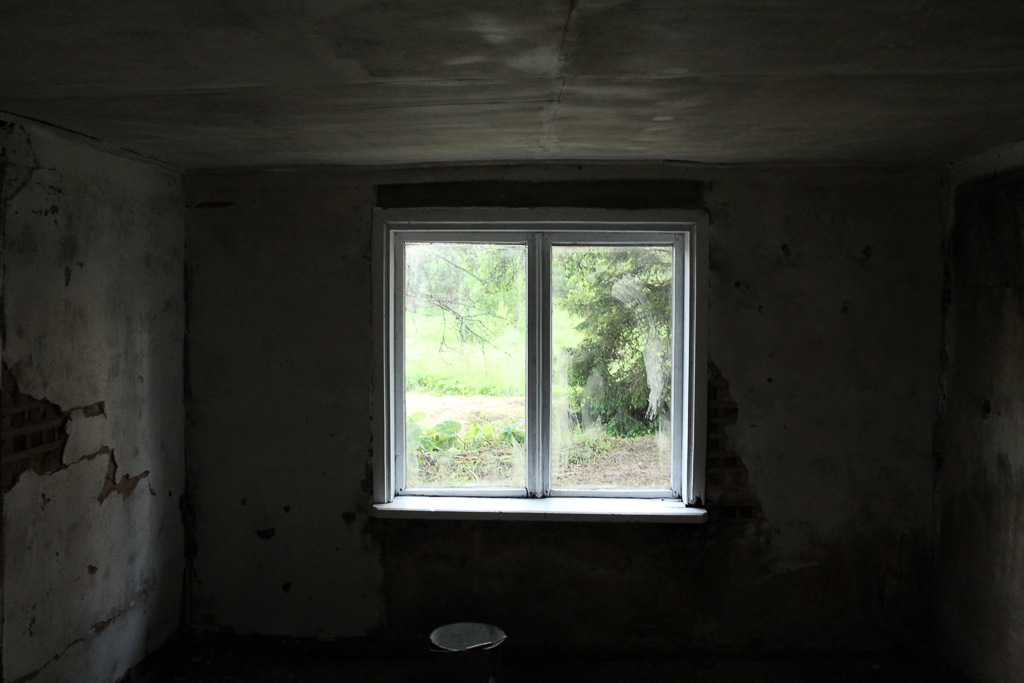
<point>366,485</point>
<point>979,596</point>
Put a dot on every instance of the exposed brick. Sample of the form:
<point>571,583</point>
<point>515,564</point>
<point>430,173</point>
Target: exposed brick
<point>33,433</point>
<point>730,503</point>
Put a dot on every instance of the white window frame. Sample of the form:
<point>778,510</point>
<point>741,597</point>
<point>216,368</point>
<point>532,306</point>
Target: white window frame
<point>685,231</point>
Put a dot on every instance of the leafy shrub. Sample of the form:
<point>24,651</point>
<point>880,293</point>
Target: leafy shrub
<point>447,435</point>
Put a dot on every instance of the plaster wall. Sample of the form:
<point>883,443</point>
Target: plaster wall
<point>981,483</point>
<point>825,318</point>
<point>94,318</point>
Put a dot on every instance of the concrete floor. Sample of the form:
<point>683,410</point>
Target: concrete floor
<point>260,663</point>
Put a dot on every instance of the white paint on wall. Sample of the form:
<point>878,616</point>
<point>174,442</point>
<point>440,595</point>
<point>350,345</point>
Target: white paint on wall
<point>93,305</point>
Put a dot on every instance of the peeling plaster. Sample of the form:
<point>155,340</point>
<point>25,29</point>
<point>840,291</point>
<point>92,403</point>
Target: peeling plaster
<point>28,442</point>
<point>50,462</point>
<point>112,485</point>
<point>93,255</point>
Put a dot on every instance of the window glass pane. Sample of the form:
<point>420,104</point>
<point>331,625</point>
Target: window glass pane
<point>611,367</point>
<point>465,364</point>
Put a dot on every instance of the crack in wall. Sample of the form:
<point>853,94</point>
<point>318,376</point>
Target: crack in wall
<point>101,626</point>
<point>95,630</point>
<point>102,450</point>
<point>32,674</point>
<point>20,161</point>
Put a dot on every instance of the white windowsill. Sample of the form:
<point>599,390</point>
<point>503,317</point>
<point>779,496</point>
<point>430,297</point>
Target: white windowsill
<point>538,509</point>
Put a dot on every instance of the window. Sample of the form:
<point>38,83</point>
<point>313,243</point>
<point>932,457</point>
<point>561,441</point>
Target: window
<point>539,363</point>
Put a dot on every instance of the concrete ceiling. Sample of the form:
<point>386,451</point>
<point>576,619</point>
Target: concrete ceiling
<point>201,83</point>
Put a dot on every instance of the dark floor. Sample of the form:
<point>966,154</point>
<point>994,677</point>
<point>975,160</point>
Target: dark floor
<point>219,663</point>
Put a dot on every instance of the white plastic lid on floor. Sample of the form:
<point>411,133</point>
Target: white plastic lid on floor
<point>466,636</point>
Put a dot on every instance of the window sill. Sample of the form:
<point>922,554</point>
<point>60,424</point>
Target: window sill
<point>541,509</point>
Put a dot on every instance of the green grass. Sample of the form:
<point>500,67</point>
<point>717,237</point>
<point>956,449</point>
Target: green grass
<point>450,453</point>
<point>439,363</point>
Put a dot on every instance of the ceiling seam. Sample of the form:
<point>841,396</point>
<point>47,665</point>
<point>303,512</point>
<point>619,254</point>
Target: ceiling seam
<point>560,68</point>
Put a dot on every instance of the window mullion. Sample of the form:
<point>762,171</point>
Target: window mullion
<point>544,380</point>
<point>538,364</point>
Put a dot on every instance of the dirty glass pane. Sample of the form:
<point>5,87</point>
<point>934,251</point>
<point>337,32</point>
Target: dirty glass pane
<point>611,367</point>
<point>465,364</point>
